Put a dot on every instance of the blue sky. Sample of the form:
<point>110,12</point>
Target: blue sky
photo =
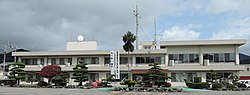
<point>49,24</point>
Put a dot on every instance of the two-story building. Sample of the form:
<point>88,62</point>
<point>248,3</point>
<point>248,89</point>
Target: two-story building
<point>181,59</point>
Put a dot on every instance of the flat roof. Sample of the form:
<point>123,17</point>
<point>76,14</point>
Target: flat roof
<point>198,42</point>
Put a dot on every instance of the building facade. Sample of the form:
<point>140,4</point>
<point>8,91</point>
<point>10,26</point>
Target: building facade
<point>181,59</point>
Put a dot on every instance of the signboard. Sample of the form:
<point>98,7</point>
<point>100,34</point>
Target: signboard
<point>115,64</point>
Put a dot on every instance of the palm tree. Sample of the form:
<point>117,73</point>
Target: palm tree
<point>128,39</point>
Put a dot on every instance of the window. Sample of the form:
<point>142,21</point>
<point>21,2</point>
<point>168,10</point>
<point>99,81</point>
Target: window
<point>176,58</point>
<point>107,60</point>
<point>146,60</point>
<point>34,61</point>
<point>171,57</point>
<point>247,69</point>
<point>27,61</point>
<point>216,57</point>
<point>180,76</point>
<point>232,57</point>
<point>196,58</point>
<point>53,61</point>
<point>186,58</point>
<point>227,57</point>
<point>147,47</point>
<point>70,61</point>
<point>140,60</point>
<point>163,47</point>
<point>42,61</point>
<point>124,60</point>
<point>90,60</point>
<point>181,58</point>
<point>221,57</point>
<point>61,61</point>
<point>94,77</point>
<point>208,57</point>
<point>191,58</point>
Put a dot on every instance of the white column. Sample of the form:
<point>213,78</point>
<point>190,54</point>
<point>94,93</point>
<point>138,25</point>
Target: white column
<point>133,60</point>
<point>101,60</point>
<point>45,61</point>
<point>237,59</point>
<point>19,59</point>
<point>74,61</point>
<point>203,76</point>
<point>166,59</point>
<point>200,56</point>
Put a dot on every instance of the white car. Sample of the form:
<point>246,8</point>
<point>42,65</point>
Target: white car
<point>246,82</point>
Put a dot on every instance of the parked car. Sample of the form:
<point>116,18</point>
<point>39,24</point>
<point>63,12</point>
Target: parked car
<point>246,82</point>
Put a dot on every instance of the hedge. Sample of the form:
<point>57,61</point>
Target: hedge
<point>217,85</point>
<point>200,85</point>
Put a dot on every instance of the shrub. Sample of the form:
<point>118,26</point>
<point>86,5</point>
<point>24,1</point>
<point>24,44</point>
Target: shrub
<point>217,85</point>
<point>132,83</point>
<point>225,83</point>
<point>167,84</point>
<point>200,85</point>
<point>127,81</point>
<point>122,83</point>
<point>197,79</point>
<point>42,83</point>
<point>230,86</point>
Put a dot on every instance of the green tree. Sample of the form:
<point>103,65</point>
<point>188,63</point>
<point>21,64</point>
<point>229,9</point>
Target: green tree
<point>128,39</point>
<point>31,76</point>
<point>61,79</point>
<point>155,74</point>
<point>16,72</point>
<point>80,72</point>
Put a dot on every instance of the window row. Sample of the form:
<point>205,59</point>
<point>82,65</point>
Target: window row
<point>41,61</point>
<point>147,60</point>
<point>184,58</point>
<point>139,60</point>
<point>219,57</point>
<point>89,60</point>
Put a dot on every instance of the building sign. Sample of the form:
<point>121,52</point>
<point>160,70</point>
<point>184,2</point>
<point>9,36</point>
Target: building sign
<point>115,64</point>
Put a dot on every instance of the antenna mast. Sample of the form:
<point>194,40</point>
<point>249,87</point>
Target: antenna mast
<point>137,24</point>
<point>155,40</point>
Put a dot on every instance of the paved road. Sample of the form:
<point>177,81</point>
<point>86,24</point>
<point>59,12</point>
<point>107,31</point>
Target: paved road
<point>52,91</point>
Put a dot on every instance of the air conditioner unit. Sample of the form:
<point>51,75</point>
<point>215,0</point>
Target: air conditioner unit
<point>206,62</point>
<point>107,65</point>
<point>171,63</point>
<point>40,65</point>
<point>67,64</point>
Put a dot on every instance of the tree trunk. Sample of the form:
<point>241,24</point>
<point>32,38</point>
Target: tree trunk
<point>80,83</point>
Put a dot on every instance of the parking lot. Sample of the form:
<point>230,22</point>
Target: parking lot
<point>62,91</point>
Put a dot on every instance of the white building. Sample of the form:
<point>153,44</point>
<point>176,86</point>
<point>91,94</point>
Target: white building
<point>181,59</point>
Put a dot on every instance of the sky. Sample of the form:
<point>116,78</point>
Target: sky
<point>47,25</point>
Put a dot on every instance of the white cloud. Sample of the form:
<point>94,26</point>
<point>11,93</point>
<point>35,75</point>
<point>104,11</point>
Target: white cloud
<point>237,29</point>
<point>241,7</point>
<point>177,33</point>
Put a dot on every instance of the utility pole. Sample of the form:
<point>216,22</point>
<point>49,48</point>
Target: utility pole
<point>137,24</point>
<point>4,58</point>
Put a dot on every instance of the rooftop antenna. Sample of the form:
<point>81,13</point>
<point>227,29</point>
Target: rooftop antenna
<point>156,43</point>
<point>137,24</point>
